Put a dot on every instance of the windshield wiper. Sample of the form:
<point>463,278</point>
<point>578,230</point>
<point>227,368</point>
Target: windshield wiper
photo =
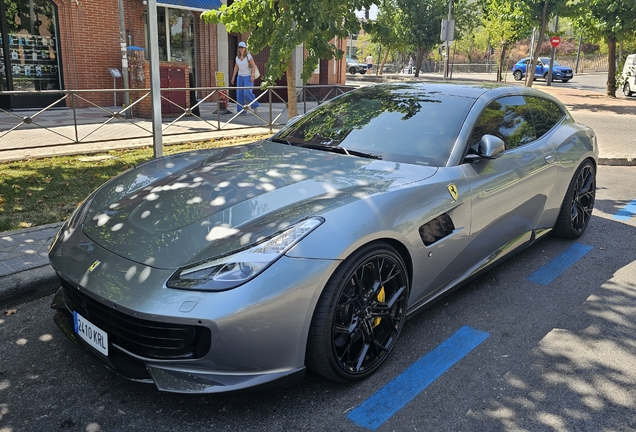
<point>280,140</point>
<point>336,149</point>
<point>330,148</point>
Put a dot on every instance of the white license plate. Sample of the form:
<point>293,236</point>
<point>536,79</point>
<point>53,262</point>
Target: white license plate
<point>96,337</point>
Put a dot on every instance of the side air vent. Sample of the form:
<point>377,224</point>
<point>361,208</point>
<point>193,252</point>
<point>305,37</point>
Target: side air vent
<point>436,229</point>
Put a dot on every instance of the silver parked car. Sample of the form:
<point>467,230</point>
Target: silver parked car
<point>228,268</point>
<point>354,66</point>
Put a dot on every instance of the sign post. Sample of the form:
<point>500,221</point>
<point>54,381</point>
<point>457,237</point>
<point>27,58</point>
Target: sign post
<point>222,96</point>
<point>114,72</point>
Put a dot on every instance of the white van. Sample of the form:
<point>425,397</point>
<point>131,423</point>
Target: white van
<point>629,75</point>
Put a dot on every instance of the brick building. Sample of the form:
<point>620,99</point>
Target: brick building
<point>75,45</point>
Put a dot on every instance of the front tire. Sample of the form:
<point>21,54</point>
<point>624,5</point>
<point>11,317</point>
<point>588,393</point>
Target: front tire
<point>359,315</point>
<point>627,91</point>
<point>578,203</point>
<point>565,80</point>
<point>517,75</point>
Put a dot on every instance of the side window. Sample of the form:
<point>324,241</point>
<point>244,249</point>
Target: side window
<point>507,118</point>
<point>545,114</point>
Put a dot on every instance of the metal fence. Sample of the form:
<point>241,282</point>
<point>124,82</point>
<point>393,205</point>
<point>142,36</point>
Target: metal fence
<point>54,130</point>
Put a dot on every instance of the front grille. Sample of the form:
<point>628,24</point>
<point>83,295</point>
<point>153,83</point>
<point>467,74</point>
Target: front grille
<point>145,338</point>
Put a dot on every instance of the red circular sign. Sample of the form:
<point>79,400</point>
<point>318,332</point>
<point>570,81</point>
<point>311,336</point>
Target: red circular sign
<point>555,41</point>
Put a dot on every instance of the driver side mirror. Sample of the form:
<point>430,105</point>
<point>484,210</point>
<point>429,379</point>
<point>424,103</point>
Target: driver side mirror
<point>489,147</point>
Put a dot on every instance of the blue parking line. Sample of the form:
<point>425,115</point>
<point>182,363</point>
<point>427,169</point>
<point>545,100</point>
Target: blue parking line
<point>626,212</point>
<point>403,388</point>
<point>558,265</point>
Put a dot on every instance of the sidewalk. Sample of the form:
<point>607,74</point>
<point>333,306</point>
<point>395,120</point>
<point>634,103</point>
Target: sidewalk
<point>26,275</point>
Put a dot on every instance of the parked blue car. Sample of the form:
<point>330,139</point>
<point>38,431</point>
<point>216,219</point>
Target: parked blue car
<point>563,73</point>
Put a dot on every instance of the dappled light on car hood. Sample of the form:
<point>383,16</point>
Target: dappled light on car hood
<point>178,209</point>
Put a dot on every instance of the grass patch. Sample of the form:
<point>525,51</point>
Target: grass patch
<point>43,191</point>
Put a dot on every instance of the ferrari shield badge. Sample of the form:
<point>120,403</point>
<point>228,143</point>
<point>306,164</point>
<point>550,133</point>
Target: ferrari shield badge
<point>94,265</point>
<point>452,189</point>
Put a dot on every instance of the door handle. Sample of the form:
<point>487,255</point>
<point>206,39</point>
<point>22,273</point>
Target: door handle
<point>549,159</point>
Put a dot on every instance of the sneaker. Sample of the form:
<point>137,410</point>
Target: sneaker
<point>255,110</point>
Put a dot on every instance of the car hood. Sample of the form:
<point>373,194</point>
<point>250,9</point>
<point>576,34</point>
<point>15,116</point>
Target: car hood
<point>191,207</point>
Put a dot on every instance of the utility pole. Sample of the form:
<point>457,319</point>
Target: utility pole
<point>124,57</point>
<point>553,52</point>
<point>448,37</point>
<point>155,81</point>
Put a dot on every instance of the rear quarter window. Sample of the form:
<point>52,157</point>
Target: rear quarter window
<point>545,114</point>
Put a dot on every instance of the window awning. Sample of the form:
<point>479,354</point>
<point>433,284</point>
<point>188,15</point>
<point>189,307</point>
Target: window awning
<point>195,5</point>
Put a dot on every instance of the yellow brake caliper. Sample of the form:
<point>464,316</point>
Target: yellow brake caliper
<point>381,299</point>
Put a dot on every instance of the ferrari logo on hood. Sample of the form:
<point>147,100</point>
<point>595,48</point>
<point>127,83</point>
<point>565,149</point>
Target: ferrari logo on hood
<point>94,266</point>
<point>452,189</point>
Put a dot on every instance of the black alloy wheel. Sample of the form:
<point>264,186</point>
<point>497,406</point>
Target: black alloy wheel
<point>517,75</point>
<point>360,314</point>
<point>578,203</point>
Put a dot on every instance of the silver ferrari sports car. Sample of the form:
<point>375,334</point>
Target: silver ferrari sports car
<point>233,267</point>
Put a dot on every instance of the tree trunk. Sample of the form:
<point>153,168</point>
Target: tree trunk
<point>502,58</point>
<point>292,106</point>
<point>611,66</point>
<point>539,42</point>
<point>418,62</point>
<point>386,56</point>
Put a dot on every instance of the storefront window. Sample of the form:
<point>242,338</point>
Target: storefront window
<point>33,45</point>
<point>181,36</point>
<point>176,35</point>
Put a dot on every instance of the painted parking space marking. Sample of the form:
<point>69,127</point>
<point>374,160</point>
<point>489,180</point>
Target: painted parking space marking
<point>561,263</point>
<point>626,212</point>
<point>403,388</point>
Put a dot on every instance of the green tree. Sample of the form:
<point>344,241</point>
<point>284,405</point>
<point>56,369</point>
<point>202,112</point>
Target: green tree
<point>285,24</point>
<point>539,13</point>
<point>506,22</point>
<point>614,22</point>
<point>385,30</point>
<point>420,25</point>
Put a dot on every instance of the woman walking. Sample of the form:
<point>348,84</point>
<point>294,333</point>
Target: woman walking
<point>244,68</point>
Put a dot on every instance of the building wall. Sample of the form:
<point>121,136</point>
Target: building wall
<point>90,44</point>
<point>336,69</point>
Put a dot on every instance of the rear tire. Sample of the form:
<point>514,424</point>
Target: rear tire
<point>627,91</point>
<point>359,315</point>
<point>517,75</point>
<point>578,203</point>
<point>352,70</point>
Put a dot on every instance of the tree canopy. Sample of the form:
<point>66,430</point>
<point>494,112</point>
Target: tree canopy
<point>613,21</point>
<point>285,24</point>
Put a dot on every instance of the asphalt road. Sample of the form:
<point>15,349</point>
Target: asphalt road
<point>596,82</point>
<point>557,357</point>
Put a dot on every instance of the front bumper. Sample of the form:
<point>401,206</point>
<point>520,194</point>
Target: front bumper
<point>251,335</point>
<point>166,377</point>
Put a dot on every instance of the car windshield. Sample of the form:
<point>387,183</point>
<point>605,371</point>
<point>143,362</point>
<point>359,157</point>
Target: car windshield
<point>546,61</point>
<point>399,123</point>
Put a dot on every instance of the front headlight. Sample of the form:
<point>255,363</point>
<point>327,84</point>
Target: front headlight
<point>234,270</point>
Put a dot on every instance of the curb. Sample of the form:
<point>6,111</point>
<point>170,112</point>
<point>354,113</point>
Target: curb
<point>27,286</point>
<point>626,161</point>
